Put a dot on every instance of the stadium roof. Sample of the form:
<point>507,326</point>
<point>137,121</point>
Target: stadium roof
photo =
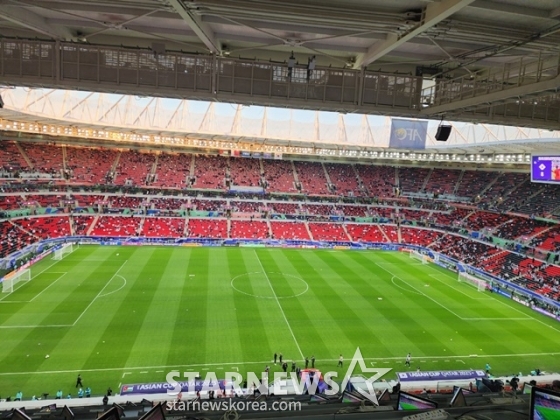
<point>488,61</point>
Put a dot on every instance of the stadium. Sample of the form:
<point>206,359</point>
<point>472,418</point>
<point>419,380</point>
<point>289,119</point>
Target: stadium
<point>193,191</point>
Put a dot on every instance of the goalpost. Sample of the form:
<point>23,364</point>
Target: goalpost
<point>11,279</point>
<point>62,252</point>
<point>465,277</point>
<point>417,256</point>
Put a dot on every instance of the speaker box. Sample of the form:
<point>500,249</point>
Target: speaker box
<point>443,132</point>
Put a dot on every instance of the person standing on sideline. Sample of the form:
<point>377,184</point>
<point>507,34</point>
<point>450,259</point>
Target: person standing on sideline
<point>59,394</point>
<point>285,367</point>
<point>407,361</point>
<point>488,368</point>
<point>79,381</point>
<point>306,362</point>
<point>293,366</point>
<point>275,357</point>
<point>340,361</point>
<point>313,361</point>
<point>280,358</point>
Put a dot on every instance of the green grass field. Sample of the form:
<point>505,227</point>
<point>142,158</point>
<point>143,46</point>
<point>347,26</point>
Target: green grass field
<point>133,317</point>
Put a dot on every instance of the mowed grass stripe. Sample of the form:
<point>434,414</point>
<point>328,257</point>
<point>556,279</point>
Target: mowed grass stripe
<point>331,292</point>
<point>251,328</point>
<point>277,331</point>
<point>321,324</point>
<point>188,344</point>
<point>178,348</point>
<point>284,277</point>
<point>125,323</point>
<point>222,334</point>
<point>407,324</point>
<point>481,334</point>
<point>428,315</point>
<point>162,314</point>
<point>364,297</point>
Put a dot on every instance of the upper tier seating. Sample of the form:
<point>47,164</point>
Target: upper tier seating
<point>483,219</point>
<point>518,226</point>
<point>172,170</point>
<point>311,176</point>
<point>344,179</point>
<point>412,179</point>
<point>90,166</point>
<point>133,168</point>
<point>245,171</point>
<point>442,181</point>
<point>378,180</point>
<point>279,175</point>
<point>504,183</point>
<point>46,159</point>
<point>210,172</point>
<point>11,158</point>
<point>474,182</point>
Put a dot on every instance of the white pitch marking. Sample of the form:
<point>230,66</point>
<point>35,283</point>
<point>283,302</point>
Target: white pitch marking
<point>99,294</point>
<point>279,305</point>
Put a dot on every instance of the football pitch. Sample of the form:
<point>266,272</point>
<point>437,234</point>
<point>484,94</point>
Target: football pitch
<point>123,315</point>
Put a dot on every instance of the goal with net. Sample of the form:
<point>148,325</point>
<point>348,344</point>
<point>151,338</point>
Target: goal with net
<point>62,252</point>
<point>415,255</point>
<point>11,279</point>
<point>480,285</point>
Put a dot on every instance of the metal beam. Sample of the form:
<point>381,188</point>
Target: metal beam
<point>494,97</point>
<point>511,9</point>
<point>202,29</point>
<point>27,19</point>
<point>433,14</point>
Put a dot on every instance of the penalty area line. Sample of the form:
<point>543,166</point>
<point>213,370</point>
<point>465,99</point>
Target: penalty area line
<point>100,292</point>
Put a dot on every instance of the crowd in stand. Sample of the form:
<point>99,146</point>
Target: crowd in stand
<point>347,190</point>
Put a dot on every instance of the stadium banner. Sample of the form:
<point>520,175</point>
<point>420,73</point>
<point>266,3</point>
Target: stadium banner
<point>408,134</point>
<point>441,375</point>
<point>162,387</point>
<point>245,189</point>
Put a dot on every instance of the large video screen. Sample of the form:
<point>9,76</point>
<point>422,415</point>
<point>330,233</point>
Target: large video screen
<point>545,168</point>
<point>545,404</point>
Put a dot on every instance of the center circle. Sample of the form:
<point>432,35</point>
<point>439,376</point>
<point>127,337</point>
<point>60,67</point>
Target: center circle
<point>265,283</point>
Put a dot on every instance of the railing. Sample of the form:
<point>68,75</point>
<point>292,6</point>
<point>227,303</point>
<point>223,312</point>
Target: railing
<point>176,74</point>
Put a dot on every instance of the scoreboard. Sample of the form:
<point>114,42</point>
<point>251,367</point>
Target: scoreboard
<point>545,169</point>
